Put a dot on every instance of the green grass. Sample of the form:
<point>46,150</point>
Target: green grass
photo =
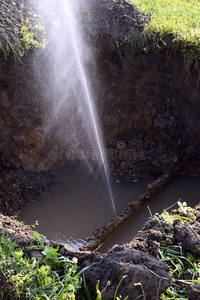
<point>180,265</point>
<point>49,277</point>
<point>179,19</point>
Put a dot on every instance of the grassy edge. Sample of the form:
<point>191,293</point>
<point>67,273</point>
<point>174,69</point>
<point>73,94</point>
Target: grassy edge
<point>162,39</point>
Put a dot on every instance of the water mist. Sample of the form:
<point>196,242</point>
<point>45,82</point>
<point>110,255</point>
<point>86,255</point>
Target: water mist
<point>74,120</point>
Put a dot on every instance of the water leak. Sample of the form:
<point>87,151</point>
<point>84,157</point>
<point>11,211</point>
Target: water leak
<point>88,99</point>
<point>76,205</point>
<point>73,105</point>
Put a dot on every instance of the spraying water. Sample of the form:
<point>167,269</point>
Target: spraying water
<point>72,90</point>
<point>88,99</point>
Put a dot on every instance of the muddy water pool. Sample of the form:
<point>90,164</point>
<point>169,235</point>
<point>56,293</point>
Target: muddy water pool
<point>77,203</point>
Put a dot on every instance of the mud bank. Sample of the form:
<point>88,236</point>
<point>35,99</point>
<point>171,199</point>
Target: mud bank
<point>137,259</point>
<point>19,186</point>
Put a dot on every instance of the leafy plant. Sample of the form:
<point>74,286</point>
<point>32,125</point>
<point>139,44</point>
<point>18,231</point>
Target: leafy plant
<point>31,37</point>
<point>184,213</point>
<point>39,239</point>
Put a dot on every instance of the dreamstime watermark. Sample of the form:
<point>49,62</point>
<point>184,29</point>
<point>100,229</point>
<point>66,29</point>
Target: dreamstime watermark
<point>121,152</point>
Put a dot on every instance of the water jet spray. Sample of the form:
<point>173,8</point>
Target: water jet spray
<point>71,86</point>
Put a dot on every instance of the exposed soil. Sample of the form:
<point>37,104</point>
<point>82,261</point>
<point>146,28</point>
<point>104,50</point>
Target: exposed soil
<point>19,186</point>
<point>152,107</point>
<point>184,231</point>
<point>150,102</point>
<point>156,234</point>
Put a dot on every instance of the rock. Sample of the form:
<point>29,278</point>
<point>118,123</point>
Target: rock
<point>138,268</point>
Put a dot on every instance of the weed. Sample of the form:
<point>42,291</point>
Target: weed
<point>39,239</point>
<point>115,295</point>
<point>32,37</point>
<point>138,283</point>
<point>180,265</point>
<point>100,292</point>
<point>184,213</point>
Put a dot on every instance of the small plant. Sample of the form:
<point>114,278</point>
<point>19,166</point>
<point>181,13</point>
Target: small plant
<point>100,292</point>
<point>115,295</point>
<point>139,284</point>
<point>184,213</point>
<point>31,37</point>
<point>39,239</point>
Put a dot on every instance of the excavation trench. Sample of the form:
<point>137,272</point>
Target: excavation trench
<point>148,106</point>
